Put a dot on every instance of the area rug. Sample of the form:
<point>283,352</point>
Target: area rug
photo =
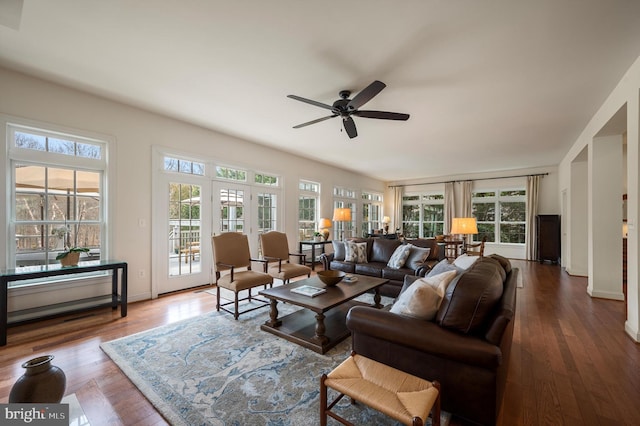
<point>213,370</point>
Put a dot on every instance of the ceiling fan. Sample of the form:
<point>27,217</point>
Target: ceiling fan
<point>346,107</point>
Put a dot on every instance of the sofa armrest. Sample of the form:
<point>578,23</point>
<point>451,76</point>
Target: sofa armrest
<point>325,259</point>
<point>424,336</point>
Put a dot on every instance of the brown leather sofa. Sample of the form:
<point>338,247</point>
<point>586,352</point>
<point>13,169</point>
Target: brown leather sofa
<point>379,251</point>
<point>466,347</point>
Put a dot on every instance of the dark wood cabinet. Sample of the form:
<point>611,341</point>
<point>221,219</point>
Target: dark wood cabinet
<point>548,234</point>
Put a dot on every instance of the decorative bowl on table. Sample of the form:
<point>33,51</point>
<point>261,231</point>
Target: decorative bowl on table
<point>331,277</point>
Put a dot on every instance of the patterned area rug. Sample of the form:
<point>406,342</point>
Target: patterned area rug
<point>213,370</point>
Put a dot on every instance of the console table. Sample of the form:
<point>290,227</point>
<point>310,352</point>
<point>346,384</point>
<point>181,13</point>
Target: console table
<point>313,245</point>
<point>53,270</point>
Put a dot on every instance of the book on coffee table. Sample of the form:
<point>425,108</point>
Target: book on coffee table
<point>309,290</point>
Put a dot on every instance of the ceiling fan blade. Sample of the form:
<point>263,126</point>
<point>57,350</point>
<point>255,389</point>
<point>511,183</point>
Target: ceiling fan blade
<point>350,127</point>
<point>366,94</point>
<point>314,121</point>
<point>384,115</point>
<point>309,101</point>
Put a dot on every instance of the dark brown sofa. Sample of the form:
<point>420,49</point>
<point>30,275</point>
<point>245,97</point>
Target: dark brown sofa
<point>466,347</point>
<point>379,251</point>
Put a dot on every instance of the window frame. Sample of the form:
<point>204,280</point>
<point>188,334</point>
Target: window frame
<point>13,155</point>
<point>497,199</point>
<point>424,198</point>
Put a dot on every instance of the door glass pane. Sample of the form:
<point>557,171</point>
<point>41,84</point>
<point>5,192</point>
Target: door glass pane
<point>232,210</point>
<point>184,229</point>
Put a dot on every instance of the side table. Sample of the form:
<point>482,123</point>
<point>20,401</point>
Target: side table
<point>313,245</point>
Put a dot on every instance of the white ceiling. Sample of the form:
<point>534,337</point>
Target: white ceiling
<point>490,85</point>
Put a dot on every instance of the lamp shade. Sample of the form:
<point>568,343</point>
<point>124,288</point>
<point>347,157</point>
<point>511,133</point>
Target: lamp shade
<point>386,219</point>
<point>464,225</point>
<point>324,223</point>
<point>342,215</point>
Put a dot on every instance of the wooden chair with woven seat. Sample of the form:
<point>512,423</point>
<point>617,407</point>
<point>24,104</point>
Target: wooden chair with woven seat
<point>231,253</point>
<point>476,248</point>
<point>275,250</point>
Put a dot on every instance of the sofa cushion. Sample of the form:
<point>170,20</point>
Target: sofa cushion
<point>399,256</point>
<point>396,274</point>
<point>338,250</point>
<point>422,299</point>
<point>341,265</point>
<point>443,266</point>
<point>372,269</point>
<point>355,252</point>
<point>417,256</point>
<point>429,243</point>
<point>464,261</point>
<point>469,302</point>
<point>506,263</point>
<point>382,249</point>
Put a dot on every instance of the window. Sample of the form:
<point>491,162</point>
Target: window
<point>501,215</point>
<point>345,198</point>
<point>183,166</point>
<point>307,209</point>
<point>371,212</point>
<point>231,174</point>
<point>423,215</point>
<point>57,199</point>
<point>263,179</point>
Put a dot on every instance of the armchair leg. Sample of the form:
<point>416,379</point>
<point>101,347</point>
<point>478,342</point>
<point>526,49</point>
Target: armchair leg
<point>217,298</point>
<point>236,313</point>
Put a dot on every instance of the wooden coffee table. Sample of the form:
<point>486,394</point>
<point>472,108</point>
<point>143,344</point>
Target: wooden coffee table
<point>322,323</point>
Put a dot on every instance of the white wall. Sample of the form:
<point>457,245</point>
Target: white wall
<point>548,199</point>
<point>625,95</point>
<point>135,132</point>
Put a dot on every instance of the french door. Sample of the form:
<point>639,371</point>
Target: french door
<point>245,209</point>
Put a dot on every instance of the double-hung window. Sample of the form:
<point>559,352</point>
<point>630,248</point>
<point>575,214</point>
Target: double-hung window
<point>501,215</point>
<point>345,198</point>
<point>423,215</point>
<point>57,198</point>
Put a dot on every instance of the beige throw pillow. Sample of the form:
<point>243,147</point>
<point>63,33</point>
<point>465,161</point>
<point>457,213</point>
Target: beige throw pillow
<point>399,256</point>
<point>422,299</point>
<point>355,252</point>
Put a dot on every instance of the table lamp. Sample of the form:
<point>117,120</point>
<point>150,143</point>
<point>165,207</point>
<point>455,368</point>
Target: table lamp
<point>342,215</point>
<point>386,220</point>
<point>464,226</point>
<point>323,226</point>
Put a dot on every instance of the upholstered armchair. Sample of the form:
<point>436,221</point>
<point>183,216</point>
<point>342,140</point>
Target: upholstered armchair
<point>231,255</point>
<point>275,250</point>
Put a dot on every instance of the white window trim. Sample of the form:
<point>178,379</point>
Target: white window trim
<point>10,153</point>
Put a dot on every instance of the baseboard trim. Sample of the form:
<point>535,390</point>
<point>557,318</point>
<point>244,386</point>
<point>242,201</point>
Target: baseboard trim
<point>633,333</point>
<point>606,295</point>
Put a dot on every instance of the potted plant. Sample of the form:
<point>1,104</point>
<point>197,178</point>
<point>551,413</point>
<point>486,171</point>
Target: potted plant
<point>317,236</point>
<point>71,255</point>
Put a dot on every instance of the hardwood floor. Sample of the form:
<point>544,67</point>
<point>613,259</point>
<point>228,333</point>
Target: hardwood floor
<point>571,362</point>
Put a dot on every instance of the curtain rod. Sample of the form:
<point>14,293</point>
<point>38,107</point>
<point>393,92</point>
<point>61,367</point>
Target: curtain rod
<point>465,180</point>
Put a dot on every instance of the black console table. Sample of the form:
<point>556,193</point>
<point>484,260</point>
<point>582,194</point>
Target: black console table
<point>46,271</point>
<point>313,245</point>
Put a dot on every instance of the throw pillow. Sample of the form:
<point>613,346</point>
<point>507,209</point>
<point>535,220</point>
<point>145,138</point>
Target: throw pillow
<point>443,266</point>
<point>464,261</point>
<point>338,250</point>
<point>417,256</point>
<point>399,256</point>
<point>422,299</point>
<point>355,252</point>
